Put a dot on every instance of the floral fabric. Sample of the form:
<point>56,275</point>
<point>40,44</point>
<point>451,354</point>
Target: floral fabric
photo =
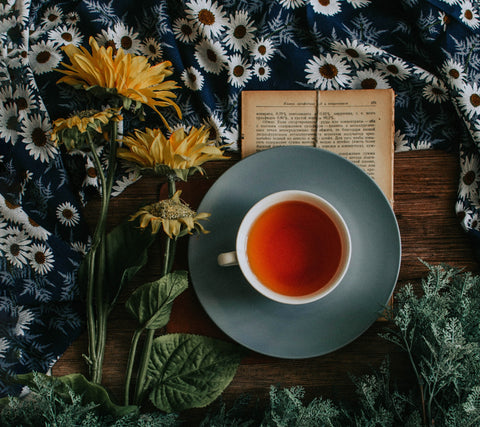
<point>428,51</point>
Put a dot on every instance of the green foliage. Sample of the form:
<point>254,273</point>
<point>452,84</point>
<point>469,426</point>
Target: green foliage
<point>151,304</point>
<point>190,371</point>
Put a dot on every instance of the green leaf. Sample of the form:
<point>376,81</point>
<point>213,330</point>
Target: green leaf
<point>190,371</point>
<point>151,303</point>
<point>125,252</point>
<point>78,384</point>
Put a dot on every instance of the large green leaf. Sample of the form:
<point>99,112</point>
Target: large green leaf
<point>89,392</point>
<point>190,371</point>
<point>125,254</point>
<point>151,303</point>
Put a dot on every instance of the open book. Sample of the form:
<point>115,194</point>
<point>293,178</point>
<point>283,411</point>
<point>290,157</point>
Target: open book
<point>356,124</point>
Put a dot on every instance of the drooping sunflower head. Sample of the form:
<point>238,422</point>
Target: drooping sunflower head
<point>75,130</point>
<point>128,77</point>
<point>181,155</point>
<point>173,215</point>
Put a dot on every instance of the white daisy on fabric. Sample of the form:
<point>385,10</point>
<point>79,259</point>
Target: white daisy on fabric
<point>232,137</point>
<point>12,212</point>
<point>9,124</point>
<point>41,258</point>
<point>24,319</point>
<point>9,24</point>
<point>423,145</point>
<point>262,49</point>
<point>68,214</point>
<point>44,57</point>
<point>239,31</point>
<point>72,18</point>
<point>370,79</point>
<point>192,78</point>
<point>125,38</point>
<point>209,16</point>
<point>35,230</point>
<point>23,98</point>
<point>435,92</point>
<point>211,56</point>
<point>4,347</point>
<point>91,176</point>
<point>326,7</point>
<point>151,49</point>
<point>444,19</point>
<point>454,72</point>
<point>63,35</point>
<point>239,71</point>
<point>36,136</point>
<point>469,101</point>
<point>394,67</point>
<point>352,51</point>
<point>262,71</point>
<point>469,177</point>
<point>327,72</point>
<point>15,246</point>
<point>80,247</point>
<point>52,17</point>
<point>401,142</point>
<point>469,14</point>
<point>105,38</point>
<point>217,128</point>
<point>292,4</point>
<point>359,3</point>
<point>122,183</point>
<point>184,30</point>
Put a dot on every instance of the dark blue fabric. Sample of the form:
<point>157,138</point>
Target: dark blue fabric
<point>427,51</point>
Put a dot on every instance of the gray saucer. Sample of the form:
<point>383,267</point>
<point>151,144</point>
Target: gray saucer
<point>319,327</point>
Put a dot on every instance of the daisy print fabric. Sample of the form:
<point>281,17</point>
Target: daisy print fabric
<point>427,51</point>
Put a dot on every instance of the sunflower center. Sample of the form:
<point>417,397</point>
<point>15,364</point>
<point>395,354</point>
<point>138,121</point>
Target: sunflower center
<point>392,68</point>
<point>240,31</point>
<point>169,209</point>
<point>43,57</point>
<point>67,214</point>
<point>91,172</point>
<point>468,14</point>
<point>39,138</point>
<point>475,99</point>
<point>369,83</point>
<point>126,42</point>
<point>67,36</point>
<point>12,123</point>
<point>454,73</point>
<point>211,55</point>
<point>469,178</point>
<point>324,2</point>
<point>40,257</point>
<point>206,17</point>
<point>352,53</point>
<point>329,71</point>
<point>186,29</point>
<point>238,71</point>
<point>21,103</point>
<point>14,249</point>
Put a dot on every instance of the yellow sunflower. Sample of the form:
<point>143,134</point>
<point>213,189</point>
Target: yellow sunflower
<point>181,154</point>
<point>175,216</point>
<point>72,131</point>
<point>128,76</point>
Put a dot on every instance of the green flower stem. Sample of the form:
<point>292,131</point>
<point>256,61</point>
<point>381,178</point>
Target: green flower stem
<point>95,301</point>
<point>131,360</point>
<point>170,247</point>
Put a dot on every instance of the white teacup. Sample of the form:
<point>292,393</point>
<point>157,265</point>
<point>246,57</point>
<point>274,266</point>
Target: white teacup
<point>292,246</point>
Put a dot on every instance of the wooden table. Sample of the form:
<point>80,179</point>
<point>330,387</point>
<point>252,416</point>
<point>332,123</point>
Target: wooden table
<point>425,193</point>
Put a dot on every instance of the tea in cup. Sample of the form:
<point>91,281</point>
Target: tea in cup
<point>292,246</point>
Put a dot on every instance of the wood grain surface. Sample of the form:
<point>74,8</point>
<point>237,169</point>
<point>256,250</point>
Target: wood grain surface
<point>425,184</point>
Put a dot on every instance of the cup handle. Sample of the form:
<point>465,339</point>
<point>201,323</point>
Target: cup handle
<point>227,259</point>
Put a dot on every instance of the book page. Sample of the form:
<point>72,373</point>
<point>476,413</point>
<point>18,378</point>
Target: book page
<point>356,124</point>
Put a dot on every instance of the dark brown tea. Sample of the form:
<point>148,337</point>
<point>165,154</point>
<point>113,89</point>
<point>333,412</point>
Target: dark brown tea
<point>294,248</point>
